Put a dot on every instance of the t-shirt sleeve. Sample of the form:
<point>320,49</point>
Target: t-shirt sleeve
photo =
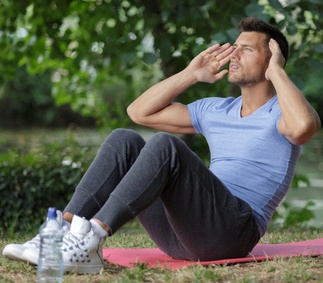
<point>199,109</point>
<point>194,110</point>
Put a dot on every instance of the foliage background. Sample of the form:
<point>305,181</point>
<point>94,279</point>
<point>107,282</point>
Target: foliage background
<point>33,180</point>
<point>84,61</point>
<point>98,55</point>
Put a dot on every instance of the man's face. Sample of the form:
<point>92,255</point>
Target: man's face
<point>249,60</point>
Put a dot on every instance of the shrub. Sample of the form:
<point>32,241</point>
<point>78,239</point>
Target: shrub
<point>32,182</point>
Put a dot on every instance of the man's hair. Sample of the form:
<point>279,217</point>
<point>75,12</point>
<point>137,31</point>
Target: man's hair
<point>271,31</point>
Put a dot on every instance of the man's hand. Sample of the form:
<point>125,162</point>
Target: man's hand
<point>206,66</point>
<point>277,60</point>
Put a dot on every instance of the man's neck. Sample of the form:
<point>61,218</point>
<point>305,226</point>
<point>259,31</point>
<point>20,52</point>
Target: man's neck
<point>253,97</point>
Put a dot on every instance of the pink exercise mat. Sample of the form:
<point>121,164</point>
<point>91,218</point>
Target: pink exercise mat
<point>153,257</point>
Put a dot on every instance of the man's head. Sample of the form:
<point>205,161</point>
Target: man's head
<point>251,55</point>
<point>257,25</point>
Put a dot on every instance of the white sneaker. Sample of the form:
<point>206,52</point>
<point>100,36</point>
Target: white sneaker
<point>27,252</point>
<point>31,255</point>
<point>82,248</point>
<point>16,251</point>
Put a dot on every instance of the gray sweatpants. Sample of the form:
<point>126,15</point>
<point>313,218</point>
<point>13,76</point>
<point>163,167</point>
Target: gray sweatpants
<point>183,206</point>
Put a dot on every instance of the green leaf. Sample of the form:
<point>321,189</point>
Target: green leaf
<point>254,10</point>
<point>318,2</point>
<point>276,5</point>
<point>318,48</point>
<point>149,58</point>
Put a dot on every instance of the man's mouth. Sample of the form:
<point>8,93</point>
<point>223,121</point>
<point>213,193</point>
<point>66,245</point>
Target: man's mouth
<point>233,67</point>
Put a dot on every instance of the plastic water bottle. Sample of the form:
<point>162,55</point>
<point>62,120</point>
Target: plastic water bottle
<point>50,262</point>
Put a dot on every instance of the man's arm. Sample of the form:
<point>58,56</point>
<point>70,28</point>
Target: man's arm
<point>299,120</point>
<point>155,108</point>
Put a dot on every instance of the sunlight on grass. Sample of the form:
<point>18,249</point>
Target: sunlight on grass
<point>301,269</point>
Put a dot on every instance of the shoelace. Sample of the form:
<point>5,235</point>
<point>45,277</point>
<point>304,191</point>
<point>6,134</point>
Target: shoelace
<point>35,241</point>
<point>70,241</point>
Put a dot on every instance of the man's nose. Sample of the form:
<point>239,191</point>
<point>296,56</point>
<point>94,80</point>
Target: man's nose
<point>235,55</point>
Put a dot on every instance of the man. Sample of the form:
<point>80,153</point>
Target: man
<point>191,211</point>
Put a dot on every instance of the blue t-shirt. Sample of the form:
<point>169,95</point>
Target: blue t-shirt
<point>248,154</point>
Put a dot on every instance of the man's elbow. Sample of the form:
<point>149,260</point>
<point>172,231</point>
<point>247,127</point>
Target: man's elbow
<point>133,115</point>
<point>304,132</point>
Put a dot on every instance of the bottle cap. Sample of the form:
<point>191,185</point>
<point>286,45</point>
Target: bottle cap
<point>51,213</point>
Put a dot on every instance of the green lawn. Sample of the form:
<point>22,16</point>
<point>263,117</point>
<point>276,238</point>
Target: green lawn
<point>303,269</point>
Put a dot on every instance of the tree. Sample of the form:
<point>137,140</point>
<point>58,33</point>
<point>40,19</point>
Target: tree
<point>100,54</point>
<point>103,53</point>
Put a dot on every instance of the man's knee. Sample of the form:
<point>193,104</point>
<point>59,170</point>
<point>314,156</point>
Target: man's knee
<point>163,142</point>
<point>121,136</point>
<point>162,139</point>
<point>123,133</point>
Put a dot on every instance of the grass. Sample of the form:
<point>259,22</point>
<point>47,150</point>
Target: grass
<point>301,269</point>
